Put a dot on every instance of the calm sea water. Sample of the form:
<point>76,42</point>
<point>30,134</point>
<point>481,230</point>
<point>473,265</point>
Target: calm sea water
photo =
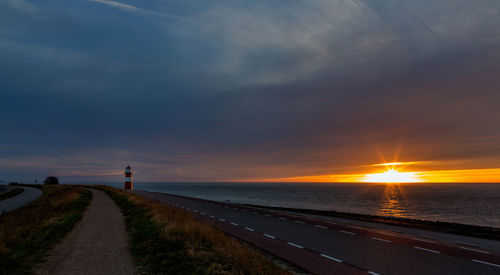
<point>476,204</point>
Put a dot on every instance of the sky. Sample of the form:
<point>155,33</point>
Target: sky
<point>248,90</point>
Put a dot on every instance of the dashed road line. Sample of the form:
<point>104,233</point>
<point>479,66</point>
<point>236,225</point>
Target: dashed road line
<point>492,264</point>
<point>423,240</point>
<point>331,258</point>
<point>320,226</point>
<point>222,220</point>
<point>383,240</point>
<point>425,249</point>
<point>203,213</point>
<point>348,232</point>
<point>212,216</point>
<point>332,222</point>
<point>373,273</point>
<point>235,224</point>
<point>467,244</point>
<point>476,250</point>
<point>249,229</point>
<point>296,245</point>
<point>270,236</point>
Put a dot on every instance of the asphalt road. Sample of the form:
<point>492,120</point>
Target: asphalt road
<point>25,197</point>
<point>327,247</point>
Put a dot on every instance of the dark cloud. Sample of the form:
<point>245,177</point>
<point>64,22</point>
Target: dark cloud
<point>243,90</point>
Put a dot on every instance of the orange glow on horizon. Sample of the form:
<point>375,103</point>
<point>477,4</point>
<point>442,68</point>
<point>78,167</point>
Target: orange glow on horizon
<point>491,175</point>
<point>392,176</point>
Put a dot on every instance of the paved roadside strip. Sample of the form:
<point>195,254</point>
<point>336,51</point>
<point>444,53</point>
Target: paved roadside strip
<point>420,242</point>
<point>266,224</point>
<point>30,194</point>
<point>290,252</point>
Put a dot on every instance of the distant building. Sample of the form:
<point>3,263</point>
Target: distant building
<point>51,180</point>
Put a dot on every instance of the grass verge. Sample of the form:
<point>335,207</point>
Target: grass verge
<point>167,240</point>
<point>11,193</point>
<point>28,233</point>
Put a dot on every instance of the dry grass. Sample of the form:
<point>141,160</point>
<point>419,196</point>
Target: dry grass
<point>198,247</point>
<point>27,233</point>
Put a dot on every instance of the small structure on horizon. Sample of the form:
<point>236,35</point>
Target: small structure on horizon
<point>51,180</point>
<point>128,178</point>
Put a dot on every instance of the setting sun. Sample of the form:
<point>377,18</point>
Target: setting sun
<point>392,176</point>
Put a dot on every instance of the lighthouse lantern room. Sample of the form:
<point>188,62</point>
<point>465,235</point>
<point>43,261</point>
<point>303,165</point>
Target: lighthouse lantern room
<point>128,178</point>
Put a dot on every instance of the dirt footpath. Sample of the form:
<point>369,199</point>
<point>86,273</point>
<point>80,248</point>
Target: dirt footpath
<point>98,245</point>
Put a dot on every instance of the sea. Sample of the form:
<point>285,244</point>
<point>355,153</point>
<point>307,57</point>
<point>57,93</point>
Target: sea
<point>470,203</point>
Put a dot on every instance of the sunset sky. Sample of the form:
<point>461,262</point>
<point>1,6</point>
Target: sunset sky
<point>298,90</point>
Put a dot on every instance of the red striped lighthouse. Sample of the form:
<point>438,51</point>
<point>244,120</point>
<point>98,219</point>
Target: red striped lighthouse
<point>128,178</point>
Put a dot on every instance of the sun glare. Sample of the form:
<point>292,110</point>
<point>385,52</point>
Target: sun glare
<point>392,176</point>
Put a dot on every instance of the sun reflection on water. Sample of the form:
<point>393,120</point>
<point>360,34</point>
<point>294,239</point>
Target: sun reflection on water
<point>393,202</point>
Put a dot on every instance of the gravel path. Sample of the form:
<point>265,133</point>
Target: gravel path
<point>98,245</point>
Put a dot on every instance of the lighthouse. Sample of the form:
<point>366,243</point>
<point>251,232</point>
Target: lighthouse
<point>128,178</point>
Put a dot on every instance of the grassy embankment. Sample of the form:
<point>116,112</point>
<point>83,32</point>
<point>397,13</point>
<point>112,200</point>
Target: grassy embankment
<point>28,233</point>
<point>167,240</point>
<point>11,193</point>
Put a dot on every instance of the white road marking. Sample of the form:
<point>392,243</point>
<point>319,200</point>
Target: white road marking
<point>347,232</point>
<point>203,213</point>
<point>422,240</point>
<point>331,258</point>
<point>476,250</point>
<point>478,261</point>
<point>212,216</point>
<point>467,244</point>
<point>222,220</point>
<point>235,224</point>
<point>373,273</point>
<point>281,218</point>
<point>196,211</point>
<point>383,240</point>
<point>299,222</point>
<point>296,245</point>
<point>320,226</point>
<point>332,222</point>
<point>425,249</point>
<point>270,236</point>
<point>249,229</point>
